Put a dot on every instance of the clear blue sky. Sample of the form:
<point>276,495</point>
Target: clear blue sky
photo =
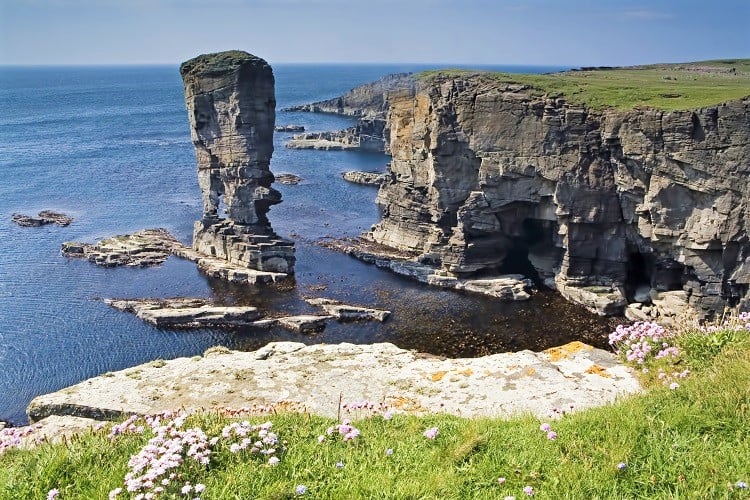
<point>554,32</point>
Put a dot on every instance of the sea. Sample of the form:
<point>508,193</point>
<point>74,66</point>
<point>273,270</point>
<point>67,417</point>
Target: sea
<point>110,146</point>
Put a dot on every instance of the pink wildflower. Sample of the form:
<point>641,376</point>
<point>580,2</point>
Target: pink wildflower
<point>501,480</point>
<point>545,427</point>
<point>528,490</point>
<point>53,494</point>
<point>551,435</point>
<point>431,433</point>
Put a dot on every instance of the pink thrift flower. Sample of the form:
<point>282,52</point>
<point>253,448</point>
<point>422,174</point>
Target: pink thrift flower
<point>528,490</point>
<point>321,439</point>
<point>186,489</point>
<point>545,427</point>
<point>199,488</point>
<point>674,385</point>
<point>501,480</point>
<point>551,435</point>
<point>431,433</point>
<point>389,452</point>
<point>114,493</point>
<point>273,461</point>
<point>53,494</point>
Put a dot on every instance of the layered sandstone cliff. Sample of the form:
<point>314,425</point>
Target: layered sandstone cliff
<point>607,206</point>
<point>369,103</point>
<point>232,108</point>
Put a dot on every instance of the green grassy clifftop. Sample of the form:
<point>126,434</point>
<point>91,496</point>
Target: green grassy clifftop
<point>668,87</point>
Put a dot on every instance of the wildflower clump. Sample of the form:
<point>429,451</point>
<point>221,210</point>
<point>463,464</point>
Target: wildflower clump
<point>173,453</point>
<point>642,342</point>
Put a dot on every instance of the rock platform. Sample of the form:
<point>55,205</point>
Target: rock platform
<point>318,378</point>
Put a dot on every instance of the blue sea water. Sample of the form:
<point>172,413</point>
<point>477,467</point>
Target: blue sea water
<point>111,147</point>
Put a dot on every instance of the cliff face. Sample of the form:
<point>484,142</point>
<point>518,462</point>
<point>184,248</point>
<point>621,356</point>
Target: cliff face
<point>607,206</point>
<point>232,107</point>
<point>369,103</point>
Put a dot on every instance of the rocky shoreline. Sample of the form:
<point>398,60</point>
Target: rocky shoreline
<point>151,247</point>
<point>508,287</point>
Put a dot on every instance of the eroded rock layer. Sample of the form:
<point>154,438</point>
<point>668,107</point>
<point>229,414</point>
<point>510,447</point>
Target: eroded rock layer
<point>599,203</point>
<point>232,107</point>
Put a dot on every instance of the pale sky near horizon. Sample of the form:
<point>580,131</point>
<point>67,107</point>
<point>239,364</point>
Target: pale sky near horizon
<point>530,32</point>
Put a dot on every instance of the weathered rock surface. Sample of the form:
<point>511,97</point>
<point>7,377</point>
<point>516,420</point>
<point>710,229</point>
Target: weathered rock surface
<point>44,217</point>
<point>367,135</point>
<point>289,128</point>
<point>601,203</point>
<point>231,105</point>
<point>148,247</point>
<point>154,246</point>
<point>369,103</point>
<point>348,312</point>
<point>290,179</point>
<point>366,100</point>
<point>186,312</point>
<point>318,377</point>
<point>508,287</point>
<point>366,178</point>
<point>304,323</point>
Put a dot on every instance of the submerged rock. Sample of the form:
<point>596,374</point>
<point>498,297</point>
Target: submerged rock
<point>44,217</point>
<point>310,378</point>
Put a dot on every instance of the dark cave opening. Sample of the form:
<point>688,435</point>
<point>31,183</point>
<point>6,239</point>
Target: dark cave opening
<point>534,233</point>
<point>639,270</point>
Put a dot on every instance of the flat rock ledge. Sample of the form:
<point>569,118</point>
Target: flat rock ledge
<point>44,217</point>
<point>186,312</point>
<point>289,128</point>
<point>318,378</point>
<point>508,287</point>
<point>151,247</point>
<point>366,178</point>
<point>289,179</point>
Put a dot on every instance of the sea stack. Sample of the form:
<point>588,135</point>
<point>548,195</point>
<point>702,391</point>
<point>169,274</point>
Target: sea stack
<point>232,109</point>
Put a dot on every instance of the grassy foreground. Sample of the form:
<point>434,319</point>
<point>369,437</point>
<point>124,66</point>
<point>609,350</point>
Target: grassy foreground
<point>688,441</point>
<point>668,87</point>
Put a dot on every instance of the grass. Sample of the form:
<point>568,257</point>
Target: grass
<point>691,442</point>
<point>668,87</point>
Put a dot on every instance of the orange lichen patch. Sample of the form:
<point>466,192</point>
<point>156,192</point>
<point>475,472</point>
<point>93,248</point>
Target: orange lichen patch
<point>598,370</point>
<point>437,376</point>
<point>530,371</point>
<point>467,372</point>
<point>406,404</point>
<point>567,350</point>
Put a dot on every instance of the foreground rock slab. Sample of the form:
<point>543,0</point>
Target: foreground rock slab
<point>318,378</point>
<point>44,217</point>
